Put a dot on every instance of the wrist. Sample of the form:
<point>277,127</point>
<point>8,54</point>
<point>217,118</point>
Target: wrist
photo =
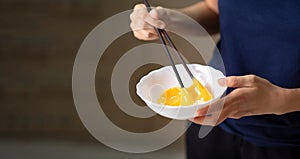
<point>290,101</point>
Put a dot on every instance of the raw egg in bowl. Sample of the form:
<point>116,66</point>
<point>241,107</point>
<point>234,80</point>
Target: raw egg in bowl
<point>161,92</point>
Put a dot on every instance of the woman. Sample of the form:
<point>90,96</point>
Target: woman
<point>260,48</point>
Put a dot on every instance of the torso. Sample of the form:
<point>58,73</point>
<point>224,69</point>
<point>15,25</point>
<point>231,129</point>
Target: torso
<point>261,37</point>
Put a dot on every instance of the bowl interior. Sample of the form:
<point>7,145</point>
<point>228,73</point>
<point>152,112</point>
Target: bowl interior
<point>152,85</point>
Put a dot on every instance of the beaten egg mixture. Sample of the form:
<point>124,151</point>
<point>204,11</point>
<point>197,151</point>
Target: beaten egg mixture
<point>178,96</point>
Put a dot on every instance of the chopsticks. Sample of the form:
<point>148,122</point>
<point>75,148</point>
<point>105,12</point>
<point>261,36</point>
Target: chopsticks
<point>163,34</point>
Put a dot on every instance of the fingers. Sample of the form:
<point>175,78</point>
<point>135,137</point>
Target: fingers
<point>211,120</point>
<point>211,114</point>
<point>145,36</point>
<point>143,23</point>
<point>222,82</point>
<point>242,81</point>
<point>213,108</point>
<point>202,111</point>
<point>215,118</point>
<point>153,19</point>
<point>234,105</point>
<point>217,112</point>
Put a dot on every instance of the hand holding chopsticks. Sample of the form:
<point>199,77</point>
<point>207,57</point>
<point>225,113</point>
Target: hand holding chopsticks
<point>163,34</point>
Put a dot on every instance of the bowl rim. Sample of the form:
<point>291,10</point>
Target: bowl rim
<point>176,107</point>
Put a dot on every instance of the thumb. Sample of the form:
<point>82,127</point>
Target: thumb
<point>241,81</point>
<point>153,19</point>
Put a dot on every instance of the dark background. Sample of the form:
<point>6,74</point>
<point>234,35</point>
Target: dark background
<point>38,45</point>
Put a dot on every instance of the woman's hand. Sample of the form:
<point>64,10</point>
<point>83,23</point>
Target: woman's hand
<point>179,20</point>
<point>142,22</point>
<point>253,96</point>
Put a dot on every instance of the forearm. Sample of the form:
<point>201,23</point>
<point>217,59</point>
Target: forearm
<point>292,100</point>
<point>205,13</point>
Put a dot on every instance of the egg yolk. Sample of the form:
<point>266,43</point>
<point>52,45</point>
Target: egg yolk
<point>177,96</point>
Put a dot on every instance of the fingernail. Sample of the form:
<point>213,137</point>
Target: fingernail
<point>222,82</point>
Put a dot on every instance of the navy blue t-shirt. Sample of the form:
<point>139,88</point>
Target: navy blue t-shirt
<point>262,37</point>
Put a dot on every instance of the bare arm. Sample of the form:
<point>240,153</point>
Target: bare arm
<point>291,101</point>
<point>205,13</point>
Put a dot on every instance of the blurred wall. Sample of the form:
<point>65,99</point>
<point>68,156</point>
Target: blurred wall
<point>38,44</point>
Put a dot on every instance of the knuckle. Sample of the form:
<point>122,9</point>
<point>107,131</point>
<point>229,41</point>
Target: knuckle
<point>233,81</point>
<point>132,26</point>
<point>241,96</point>
<point>132,16</point>
<point>160,10</point>
<point>253,78</point>
<point>138,6</point>
<point>159,7</point>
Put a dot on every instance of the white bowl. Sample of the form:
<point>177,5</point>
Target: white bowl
<point>153,84</point>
